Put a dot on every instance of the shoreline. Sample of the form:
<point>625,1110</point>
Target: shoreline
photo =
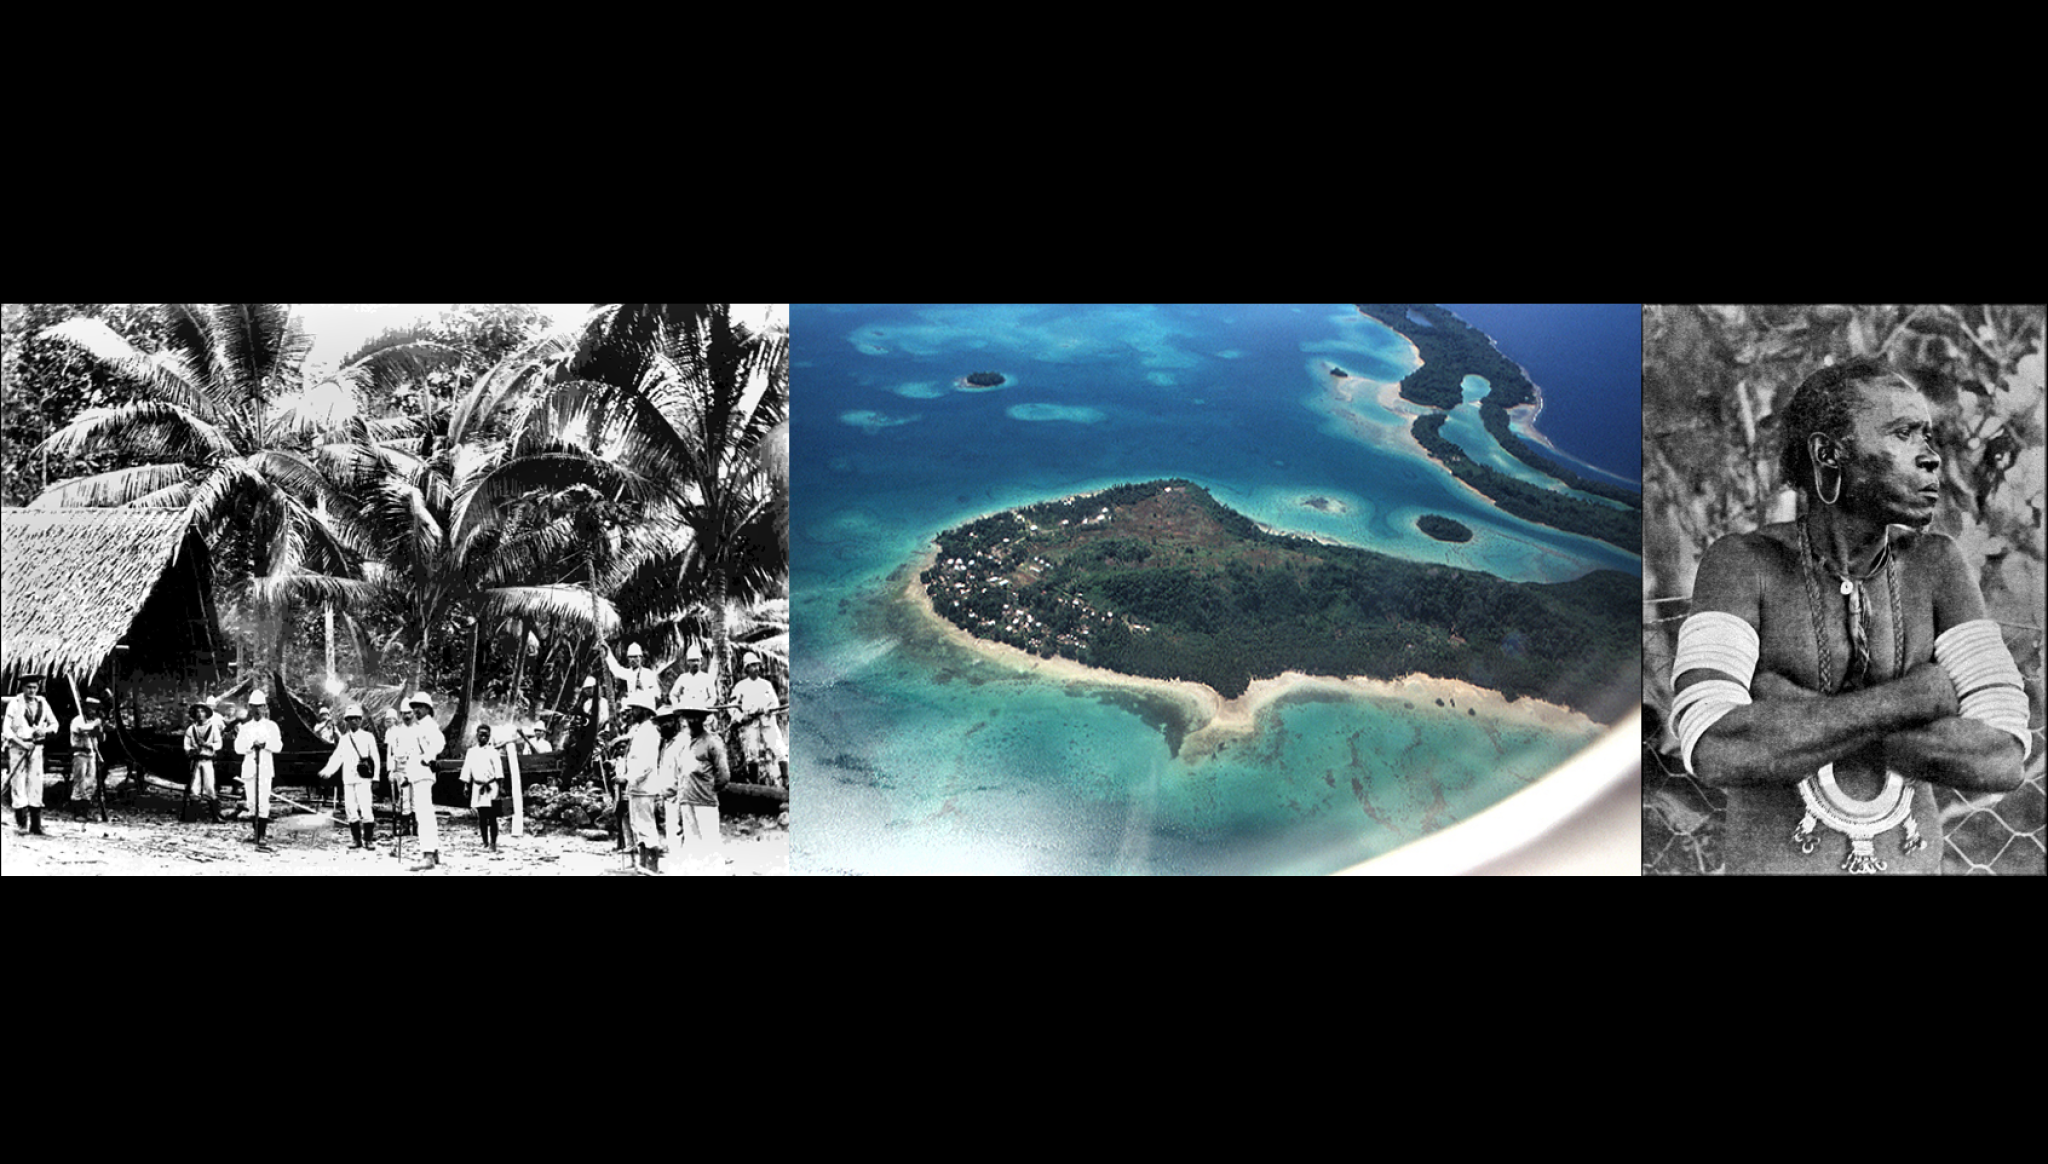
<point>1214,720</point>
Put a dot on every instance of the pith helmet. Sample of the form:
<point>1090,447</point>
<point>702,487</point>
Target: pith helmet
<point>258,699</point>
<point>695,652</point>
<point>422,699</point>
<point>691,703</point>
<point>634,650</point>
<point>643,700</point>
<point>353,711</point>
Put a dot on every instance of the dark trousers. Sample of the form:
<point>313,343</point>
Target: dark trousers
<point>487,823</point>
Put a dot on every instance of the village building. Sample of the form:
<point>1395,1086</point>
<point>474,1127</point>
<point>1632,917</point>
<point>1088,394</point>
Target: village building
<point>117,603</point>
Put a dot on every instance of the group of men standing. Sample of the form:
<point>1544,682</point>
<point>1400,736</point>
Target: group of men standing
<point>25,722</point>
<point>672,760</point>
<point>753,703</point>
<point>410,746</point>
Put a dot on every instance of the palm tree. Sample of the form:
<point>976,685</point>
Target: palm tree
<point>392,513</point>
<point>226,429</point>
<point>661,414</point>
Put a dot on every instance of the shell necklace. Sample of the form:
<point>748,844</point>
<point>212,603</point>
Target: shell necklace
<point>1826,804</point>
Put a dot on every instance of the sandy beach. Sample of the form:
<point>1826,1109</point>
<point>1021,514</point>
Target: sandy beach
<point>1214,719</point>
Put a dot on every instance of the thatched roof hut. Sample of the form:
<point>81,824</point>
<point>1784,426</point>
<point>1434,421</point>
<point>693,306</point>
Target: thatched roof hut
<point>75,583</point>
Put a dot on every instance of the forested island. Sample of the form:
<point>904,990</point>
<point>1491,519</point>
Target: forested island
<point>1161,580</point>
<point>1443,529</point>
<point>985,379</point>
<point>1453,349</point>
<point>1622,528</point>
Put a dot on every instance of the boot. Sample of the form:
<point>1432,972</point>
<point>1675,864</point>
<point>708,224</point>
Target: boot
<point>20,820</point>
<point>213,810</point>
<point>262,826</point>
<point>369,834</point>
<point>185,809</point>
<point>355,834</point>
<point>35,822</point>
<point>654,862</point>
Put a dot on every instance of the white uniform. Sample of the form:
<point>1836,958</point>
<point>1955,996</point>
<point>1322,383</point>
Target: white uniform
<point>26,723</point>
<point>259,765</point>
<point>638,679</point>
<point>761,739</point>
<point>85,757</point>
<point>427,742</point>
<point>355,787</point>
<point>644,783</point>
<point>694,688</point>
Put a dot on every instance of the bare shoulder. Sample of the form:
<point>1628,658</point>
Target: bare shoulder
<point>1951,578</point>
<point>1739,568</point>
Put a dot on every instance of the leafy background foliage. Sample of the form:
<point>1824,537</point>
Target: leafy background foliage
<point>47,382</point>
<point>1715,378</point>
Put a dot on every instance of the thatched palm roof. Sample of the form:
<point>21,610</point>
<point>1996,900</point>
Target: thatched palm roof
<point>73,580</point>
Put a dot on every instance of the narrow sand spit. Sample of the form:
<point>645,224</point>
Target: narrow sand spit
<point>1217,719</point>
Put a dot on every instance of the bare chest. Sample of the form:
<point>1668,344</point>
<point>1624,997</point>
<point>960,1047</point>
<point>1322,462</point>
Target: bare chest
<point>1812,630</point>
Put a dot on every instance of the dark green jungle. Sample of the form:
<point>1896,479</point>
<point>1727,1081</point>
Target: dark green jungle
<point>1161,580</point>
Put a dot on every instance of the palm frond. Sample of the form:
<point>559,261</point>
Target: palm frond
<point>488,497</point>
<point>152,427</point>
<point>570,604</point>
<point>167,375</point>
<point>117,487</point>
<point>516,375</point>
<point>223,483</point>
<point>257,349</point>
<point>292,473</point>
<point>354,594</point>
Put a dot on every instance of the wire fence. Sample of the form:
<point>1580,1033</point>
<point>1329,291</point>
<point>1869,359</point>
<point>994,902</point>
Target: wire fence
<point>1683,819</point>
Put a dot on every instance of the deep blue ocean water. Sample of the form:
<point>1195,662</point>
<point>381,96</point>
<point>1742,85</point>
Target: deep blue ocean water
<point>912,754</point>
<point>1592,354</point>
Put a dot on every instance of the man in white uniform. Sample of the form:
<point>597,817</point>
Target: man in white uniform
<point>258,742</point>
<point>427,743</point>
<point>644,785</point>
<point>636,675</point>
<point>760,737</point>
<point>28,719</point>
<point>695,686</point>
<point>355,761</point>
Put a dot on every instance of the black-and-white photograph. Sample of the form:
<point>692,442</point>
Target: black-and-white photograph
<point>395,589</point>
<point>1843,582</point>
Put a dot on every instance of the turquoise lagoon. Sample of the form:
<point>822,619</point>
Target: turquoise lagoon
<point>912,754</point>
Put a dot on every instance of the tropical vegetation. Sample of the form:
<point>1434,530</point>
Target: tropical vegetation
<point>486,505</point>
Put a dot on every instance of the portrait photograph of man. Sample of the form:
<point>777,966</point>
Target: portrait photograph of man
<point>1842,570</point>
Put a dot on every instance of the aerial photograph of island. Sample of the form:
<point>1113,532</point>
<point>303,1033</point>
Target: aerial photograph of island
<point>1140,589</point>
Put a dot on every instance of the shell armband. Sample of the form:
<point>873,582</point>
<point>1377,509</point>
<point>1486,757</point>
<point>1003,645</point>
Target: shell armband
<point>1725,645</point>
<point>1987,684</point>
